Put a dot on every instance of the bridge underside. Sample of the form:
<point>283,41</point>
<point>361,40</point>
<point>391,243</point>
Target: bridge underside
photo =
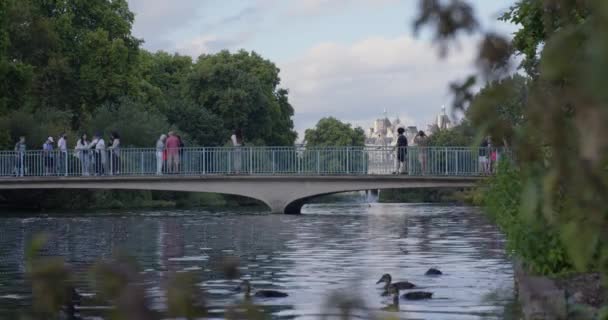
<point>282,194</point>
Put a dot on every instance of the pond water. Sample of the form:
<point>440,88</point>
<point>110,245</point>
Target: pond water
<point>339,248</point>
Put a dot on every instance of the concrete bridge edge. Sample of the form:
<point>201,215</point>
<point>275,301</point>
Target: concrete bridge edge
<point>280,195</point>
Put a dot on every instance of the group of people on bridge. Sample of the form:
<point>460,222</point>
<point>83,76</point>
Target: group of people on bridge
<point>170,156</point>
<point>98,158</point>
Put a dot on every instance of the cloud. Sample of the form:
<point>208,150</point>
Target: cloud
<point>320,7</point>
<point>157,18</point>
<point>207,44</point>
<point>357,81</point>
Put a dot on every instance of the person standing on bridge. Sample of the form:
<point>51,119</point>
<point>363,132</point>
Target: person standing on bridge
<point>237,143</point>
<point>421,141</point>
<point>20,148</point>
<point>82,151</point>
<point>172,146</point>
<point>49,160</point>
<point>99,146</point>
<point>114,153</point>
<point>401,152</point>
<point>62,145</point>
<point>160,151</point>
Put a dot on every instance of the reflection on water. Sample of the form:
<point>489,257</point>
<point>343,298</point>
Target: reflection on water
<point>341,248</point>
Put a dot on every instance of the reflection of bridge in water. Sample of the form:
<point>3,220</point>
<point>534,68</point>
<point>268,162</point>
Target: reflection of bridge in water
<point>281,177</point>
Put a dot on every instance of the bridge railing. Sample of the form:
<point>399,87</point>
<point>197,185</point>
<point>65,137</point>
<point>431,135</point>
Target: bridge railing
<point>435,161</point>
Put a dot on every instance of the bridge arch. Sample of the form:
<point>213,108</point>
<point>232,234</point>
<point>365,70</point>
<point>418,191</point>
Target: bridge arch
<point>282,194</point>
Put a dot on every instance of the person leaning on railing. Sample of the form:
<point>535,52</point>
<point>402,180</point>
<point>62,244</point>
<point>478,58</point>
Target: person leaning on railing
<point>20,148</point>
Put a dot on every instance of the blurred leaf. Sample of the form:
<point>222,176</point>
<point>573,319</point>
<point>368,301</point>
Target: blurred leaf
<point>184,298</point>
<point>581,242</point>
<point>529,203</point>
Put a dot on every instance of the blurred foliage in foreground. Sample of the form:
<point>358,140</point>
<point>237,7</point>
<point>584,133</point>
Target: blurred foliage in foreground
<point>119,293</point>
<point>555,121</point>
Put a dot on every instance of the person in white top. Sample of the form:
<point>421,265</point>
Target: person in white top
<point>114,153</point>
<point>160,149</point>
<point>62,145</point>
<point>237,143</point>
<point>99,145</point>
<point>82,151</point>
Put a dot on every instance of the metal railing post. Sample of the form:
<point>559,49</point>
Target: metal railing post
<point>203,161</point>
<point>318,161</point>
<point>229,163</point>
<point>347,160</point>
<point>250,160</point>
<point>446,161</point>
<point>111,156</point>
<point>142,163</point>
<point>273,159</point>
<point>457,156</point>
<point>65,162</point>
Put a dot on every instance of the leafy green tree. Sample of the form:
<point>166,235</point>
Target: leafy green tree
<point>561,144</point>
<point>499,107</point>
<point>539,20</point>
<point>242,89</point>
<point>68,55</point>
<point>203,127</point>
<point>462,135</point>
<point>163,77</point>
<point>331,132</point>
<point>136,126</point>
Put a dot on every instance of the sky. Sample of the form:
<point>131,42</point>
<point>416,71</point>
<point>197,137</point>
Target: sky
<point>350,59</point>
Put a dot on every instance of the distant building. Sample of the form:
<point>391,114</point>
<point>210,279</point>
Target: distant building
<point>443,121</point>
<point>384,132</point>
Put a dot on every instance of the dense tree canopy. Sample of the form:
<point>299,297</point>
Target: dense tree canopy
<point>242,89</point>
<point>332,132</point>
<point>74,65</point>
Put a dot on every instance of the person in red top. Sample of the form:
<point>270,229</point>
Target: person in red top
<point>172,146</point>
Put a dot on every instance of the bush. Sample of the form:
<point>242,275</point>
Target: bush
<point>532,239</point>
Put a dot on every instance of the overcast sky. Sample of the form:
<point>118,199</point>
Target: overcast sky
<point>350,59</point>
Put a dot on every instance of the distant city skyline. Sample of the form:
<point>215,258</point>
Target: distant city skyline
<point>349,59</point>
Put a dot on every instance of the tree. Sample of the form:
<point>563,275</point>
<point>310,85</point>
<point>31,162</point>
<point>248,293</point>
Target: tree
<point>462,135</point>
<point>68,55</point>
<point>539,20</point>
<point>242,89</point>
<point>500,106</point>
<point>331,132</point>
<point>561,144</point>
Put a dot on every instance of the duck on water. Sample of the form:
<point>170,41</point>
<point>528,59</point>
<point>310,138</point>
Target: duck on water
<point>401,285</point>
<point>245,286</point>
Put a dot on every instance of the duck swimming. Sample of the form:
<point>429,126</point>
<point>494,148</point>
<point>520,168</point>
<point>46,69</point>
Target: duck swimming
<point>246,286</point>
<point>433,272</point>
<point>387,279</point>
<point>402,285</point>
